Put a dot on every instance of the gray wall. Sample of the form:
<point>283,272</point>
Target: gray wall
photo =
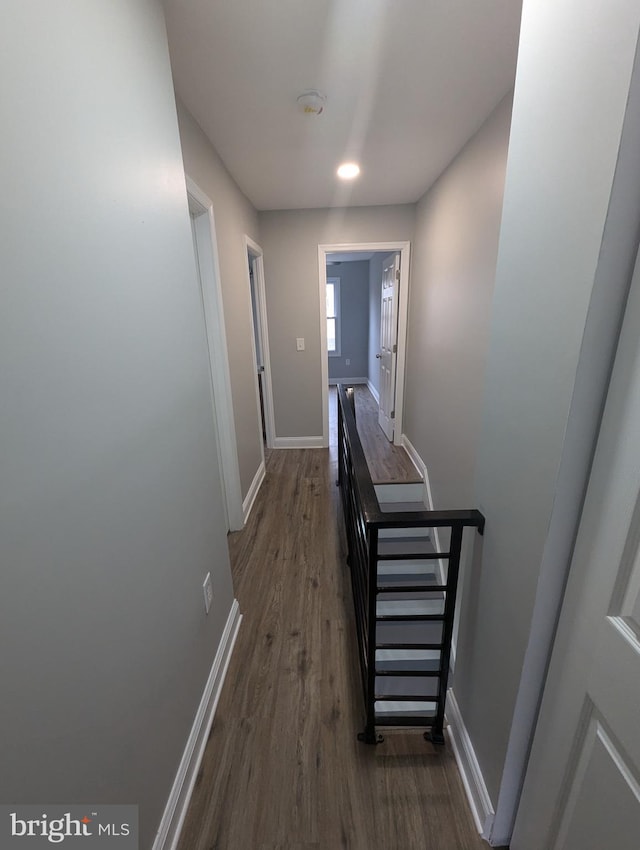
<point>111,509</point>
<point>354,319</point>
<point>559,288</point>
<point>234,217</point>
<point>290,242</point>
<point>452,279</point>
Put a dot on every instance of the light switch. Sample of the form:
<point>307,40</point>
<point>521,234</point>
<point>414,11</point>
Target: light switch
<point>300,343</point>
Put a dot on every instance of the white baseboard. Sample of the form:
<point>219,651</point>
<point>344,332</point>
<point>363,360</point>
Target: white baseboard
<point>175,811</point>
<point>416,460</point>
<point>298,443</point>
<point>374,392</point>
<point>472,779</point>
<point>420,465</point>
<point>422,469</point>
<point>347,381</point>
<point>253,491</point>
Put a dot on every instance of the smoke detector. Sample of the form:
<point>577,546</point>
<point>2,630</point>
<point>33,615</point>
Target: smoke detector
<point>312,102</point>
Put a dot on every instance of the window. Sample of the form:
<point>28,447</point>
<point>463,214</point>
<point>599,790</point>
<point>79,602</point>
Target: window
<point>333,316</point>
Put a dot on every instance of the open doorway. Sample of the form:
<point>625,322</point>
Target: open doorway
<point>363,306</point>
<point>260,342</point>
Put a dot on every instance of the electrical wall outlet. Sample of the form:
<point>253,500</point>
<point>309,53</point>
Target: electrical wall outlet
<point>347,362</point>
<point>300,343</point>
<point>208,593</point>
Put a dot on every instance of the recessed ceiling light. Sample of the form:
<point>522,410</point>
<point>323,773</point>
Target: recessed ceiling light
<point>348,170</point>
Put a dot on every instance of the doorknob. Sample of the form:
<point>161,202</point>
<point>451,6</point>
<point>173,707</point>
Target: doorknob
<point>378,356</point>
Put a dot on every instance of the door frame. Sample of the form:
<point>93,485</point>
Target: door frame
<point>403,312</point>
<point>254,251</point>
<point>201,207</point>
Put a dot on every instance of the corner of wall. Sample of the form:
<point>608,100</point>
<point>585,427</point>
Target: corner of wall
<point>469,767</point>
<point>252,493</point>
<point>466,759</point>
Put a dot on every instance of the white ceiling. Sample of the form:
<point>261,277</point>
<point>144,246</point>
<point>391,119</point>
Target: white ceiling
<point>408,82</point>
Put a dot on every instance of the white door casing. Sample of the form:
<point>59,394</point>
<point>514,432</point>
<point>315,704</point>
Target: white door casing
<point>223,495</point>
<point>206,249</point>
<point>404,248</point>
<point>260,341</point>
<point>582,788</point>
<point>388,343</point>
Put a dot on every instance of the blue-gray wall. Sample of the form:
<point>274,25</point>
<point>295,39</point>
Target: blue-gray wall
<point>354,320</point>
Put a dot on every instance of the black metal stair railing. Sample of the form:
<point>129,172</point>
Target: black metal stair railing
<point>375,546</point>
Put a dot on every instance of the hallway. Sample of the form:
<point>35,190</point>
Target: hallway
<point>283,768</point>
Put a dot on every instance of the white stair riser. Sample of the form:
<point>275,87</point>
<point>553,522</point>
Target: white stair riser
<point>400,493</point>
<point>391,708</point>
<point>410,606</point>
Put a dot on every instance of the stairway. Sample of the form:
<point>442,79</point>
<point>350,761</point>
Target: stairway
<point>410,610</point>
<point>404,561</point>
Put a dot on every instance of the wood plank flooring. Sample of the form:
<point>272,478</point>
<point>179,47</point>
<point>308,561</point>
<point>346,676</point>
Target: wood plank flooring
<point>282,768</point>
<point>387,463</point>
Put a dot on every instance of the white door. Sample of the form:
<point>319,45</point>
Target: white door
<point>582,788</point>
<point>388,342</point>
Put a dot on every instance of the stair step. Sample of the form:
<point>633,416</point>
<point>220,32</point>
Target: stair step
<point>410,566</point>
<point>406,492</point>
<point>406,687</point>
<point>409,592</point>
<point>407,589</point>
<point>412,571</point>
<point>411,547</point>
<point>388,709</point>
<point>386,533</point>
<point>391,657</point>
<point>394,634</point>
<point>404,607</point>
<point>420,576</point>
<point>402,507</point>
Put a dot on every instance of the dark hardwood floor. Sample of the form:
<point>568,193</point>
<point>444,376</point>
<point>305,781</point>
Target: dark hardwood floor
<point>282,767</point>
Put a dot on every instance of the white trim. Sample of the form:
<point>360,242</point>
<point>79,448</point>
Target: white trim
<point>470,773</point>
<point>374,392</point>
<point>417,461</point>
<point>250,498</point>
<point>420,465</point>
<point>465,558</point>
<point>335,280</point>
<point>254,251</point>
<point>211,288</point>
<point>299,443</point>
<point>401,357</point>
<point>403,308</point>
<point>175,811</point>
<point>324,350</point>
<point>348,381</point>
